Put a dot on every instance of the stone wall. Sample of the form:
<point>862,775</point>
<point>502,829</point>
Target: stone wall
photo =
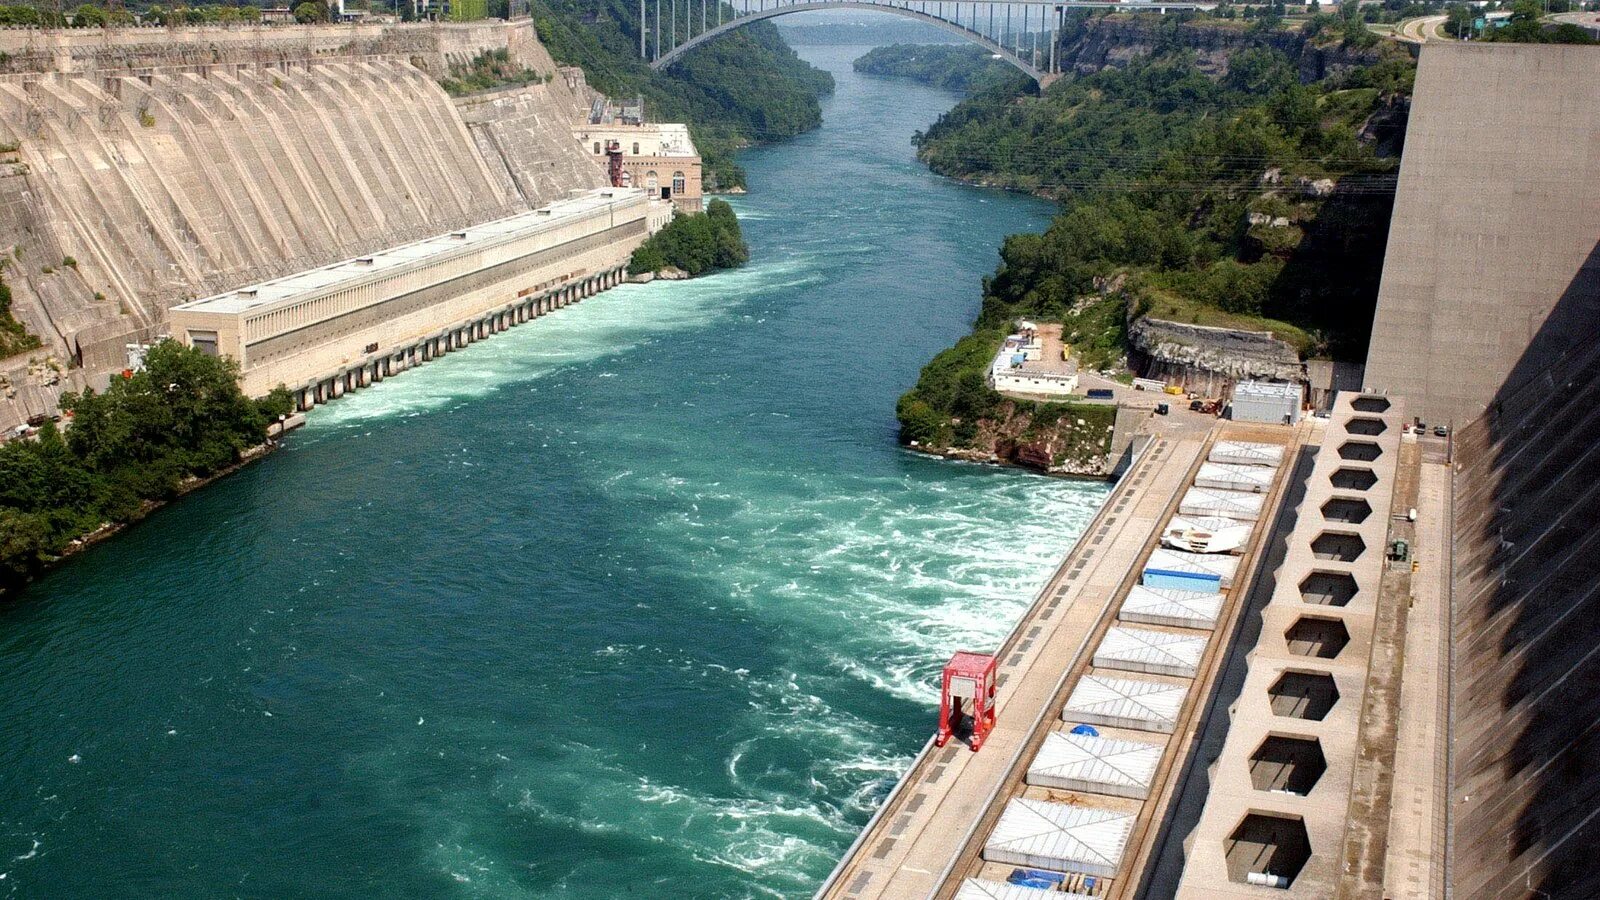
<point>526,135</point>
<point>430,45</point>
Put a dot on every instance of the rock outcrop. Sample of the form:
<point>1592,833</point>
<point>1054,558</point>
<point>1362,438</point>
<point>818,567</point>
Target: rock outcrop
<point>1105,42</point>
<point>1205,358</point>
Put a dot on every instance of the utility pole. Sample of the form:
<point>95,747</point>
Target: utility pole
<point>642,21</point>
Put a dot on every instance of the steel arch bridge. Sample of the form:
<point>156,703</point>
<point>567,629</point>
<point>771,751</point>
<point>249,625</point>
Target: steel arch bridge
<point>1021,32</point>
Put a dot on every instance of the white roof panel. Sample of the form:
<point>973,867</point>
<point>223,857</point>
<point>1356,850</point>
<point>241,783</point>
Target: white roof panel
<point>1220,565</point>
<point>1246,453</point>
<point>1151,652</point>
<point>1182,522</point>
<point>1164,606</point>
<point>1060,837</point>
<point>1096,765</point>
<point>1228,476</point>
<point>1242,505</point>
<point>981,889</point>
<point>1125,703</point>
<point>1274,390</point>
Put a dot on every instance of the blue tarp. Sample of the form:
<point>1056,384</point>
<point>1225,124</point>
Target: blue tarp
<point>1035,878</point>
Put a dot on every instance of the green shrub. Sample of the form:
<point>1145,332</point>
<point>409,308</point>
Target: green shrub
<point>697,244</point>
<point>182,415</point>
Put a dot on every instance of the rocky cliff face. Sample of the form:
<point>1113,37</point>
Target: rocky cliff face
<point>1205,359</point>
<point>1114,42</point>
<point>229,161</point>
<point>1057,439</point>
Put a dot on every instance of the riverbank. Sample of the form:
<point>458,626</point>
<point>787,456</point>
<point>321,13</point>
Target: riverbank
<point>674,503</point>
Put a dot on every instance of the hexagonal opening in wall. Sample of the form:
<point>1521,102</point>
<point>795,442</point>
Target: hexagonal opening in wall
<point>1328,588</point>
<point>1303,695</point>
<point>1316,636</point>
<point>1267,850</point>
<point>1360,451</point>
<point>1346,510</point>
<point>1366,425</point>
<point>1370,404</point>
<point>1338,546</point>
<point>1286,765</point>
<point>1349,479</point>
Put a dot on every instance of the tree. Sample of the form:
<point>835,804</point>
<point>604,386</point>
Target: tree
<point>182,415</point>
<point>89,16</point>
<point>24,544</point>
<point>694,243</point>
<point>311,11</point>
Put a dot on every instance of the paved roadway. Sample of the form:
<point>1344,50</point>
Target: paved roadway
<point>1416,824</point>
<point>1589,21</point>
<point>1421,30</point>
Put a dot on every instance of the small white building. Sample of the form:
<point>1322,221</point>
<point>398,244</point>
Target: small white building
<point>1211,502</point>
<point>1095,765</point>
<point>1269,402</point>
<point>1206,534</point>
<point>1172,607</point>
<point>1182,570</point>
<point>1246,453</point>
<point>983,889</point>
<point>1020,367</point>
<point>1231,477</point>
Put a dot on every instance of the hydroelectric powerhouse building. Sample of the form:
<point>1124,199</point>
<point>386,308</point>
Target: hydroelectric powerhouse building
<point>343,326</point>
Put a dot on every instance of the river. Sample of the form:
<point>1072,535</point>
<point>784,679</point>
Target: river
<point>639,599</point>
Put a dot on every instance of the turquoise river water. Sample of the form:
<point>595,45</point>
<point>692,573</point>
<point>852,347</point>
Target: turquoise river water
<point>638,600</point>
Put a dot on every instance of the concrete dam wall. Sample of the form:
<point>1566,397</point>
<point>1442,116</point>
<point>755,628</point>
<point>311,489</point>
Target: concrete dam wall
<point>125,190</point>
<point>1486,318</point>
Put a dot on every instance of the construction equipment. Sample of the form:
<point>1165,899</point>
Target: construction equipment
<point>966,699</point>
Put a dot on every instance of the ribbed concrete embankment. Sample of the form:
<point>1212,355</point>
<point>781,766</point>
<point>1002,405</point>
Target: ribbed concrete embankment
<point>524,133</point>
<point>170,165</point>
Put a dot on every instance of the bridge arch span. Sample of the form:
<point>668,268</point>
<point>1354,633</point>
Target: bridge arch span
<point>1043,78</point>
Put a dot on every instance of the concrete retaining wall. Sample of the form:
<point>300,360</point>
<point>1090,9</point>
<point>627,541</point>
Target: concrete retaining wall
<point>87,50</point>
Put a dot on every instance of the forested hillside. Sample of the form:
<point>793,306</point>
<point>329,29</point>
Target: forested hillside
<point>742,88</point>
<point>1238,199</point>
<point>1166,175</point>
<point>953,67</point>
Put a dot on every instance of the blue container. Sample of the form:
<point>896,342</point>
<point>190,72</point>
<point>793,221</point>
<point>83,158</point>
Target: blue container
<point>1182,581</point>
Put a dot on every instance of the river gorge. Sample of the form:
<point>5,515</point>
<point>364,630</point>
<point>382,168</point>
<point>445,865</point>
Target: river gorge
<point>640,596</point>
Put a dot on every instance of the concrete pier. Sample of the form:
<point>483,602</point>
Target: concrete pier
<point>375,368</point>
<point>931,837</point>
